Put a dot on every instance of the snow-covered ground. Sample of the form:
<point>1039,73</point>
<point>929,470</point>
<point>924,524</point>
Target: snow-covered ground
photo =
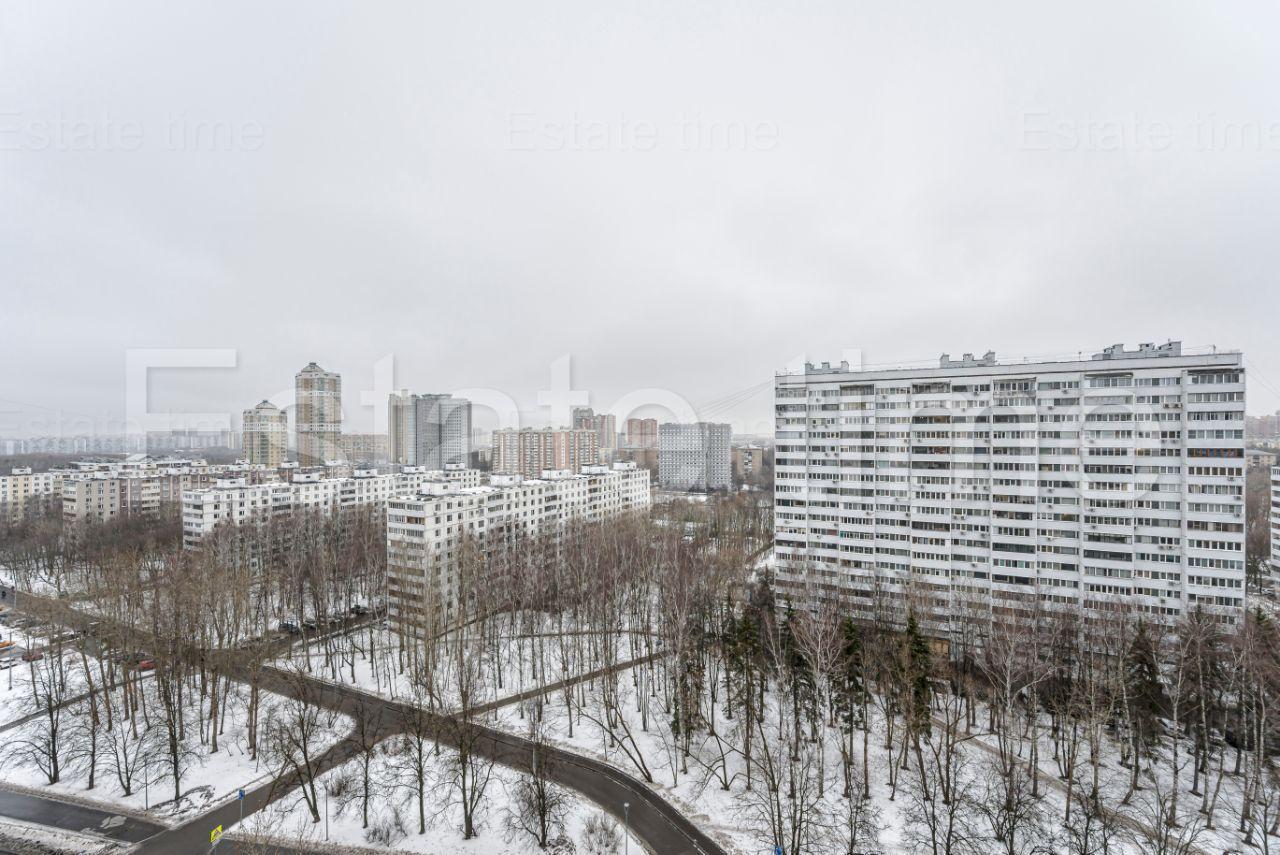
<point>16,674</point>
<point>504,666</point>
<point>731,814</point>
<point>210,777</point>
<point>394,814</point>
<point>21,836</point>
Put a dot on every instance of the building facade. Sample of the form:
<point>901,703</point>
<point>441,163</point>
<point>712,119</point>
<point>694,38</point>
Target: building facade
<point>975,488</point>
<point>426,531</point>
<point>24,493</point>
<point>429,430</point>
<point>1275,520</point>
<point>143,486</point>
<point>365,447</point>
<point>694,456</point>
<point>530,452</point>
<point>265,429</point>
<point>641,433</point>
<point>606,427</point>
<point>317,415</point>
<point>748,462</point>
<point>236,501</point>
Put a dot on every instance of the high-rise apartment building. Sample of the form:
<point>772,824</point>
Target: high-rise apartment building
<point>318,415</point>
<point>641,433</point>
<point>402,427</point>
<point>604,424</point>
<point>694,456</point>
<point>433,431</point>
<point>530,452</point>
<point>977,488</point>
<point>1275,520</point>
<point>266,434</point>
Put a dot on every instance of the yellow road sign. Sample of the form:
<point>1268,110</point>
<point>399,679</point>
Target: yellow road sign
<point>215,835</point>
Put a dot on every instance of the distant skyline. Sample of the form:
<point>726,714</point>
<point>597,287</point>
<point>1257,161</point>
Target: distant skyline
<point>679,196</point>
<point>747,409</point>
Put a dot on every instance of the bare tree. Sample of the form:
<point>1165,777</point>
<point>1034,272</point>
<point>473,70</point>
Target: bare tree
<point>539,808</point>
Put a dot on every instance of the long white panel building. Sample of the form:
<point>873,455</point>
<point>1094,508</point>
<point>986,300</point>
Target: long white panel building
<point>425,532</point>
<point>976,486</point>
<point>235,501</point>
<point>1275,520</point>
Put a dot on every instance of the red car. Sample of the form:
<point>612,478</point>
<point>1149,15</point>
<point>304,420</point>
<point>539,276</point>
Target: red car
<point>147,665</point>
<point>32,656</point>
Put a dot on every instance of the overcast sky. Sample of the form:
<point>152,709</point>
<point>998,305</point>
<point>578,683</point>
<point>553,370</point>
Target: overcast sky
<point>682,196</point>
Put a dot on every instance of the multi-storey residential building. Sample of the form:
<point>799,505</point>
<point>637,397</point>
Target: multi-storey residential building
<point>365,447</point>
<point>426,531</point>
<point>317,415</point>
<point>607,431</point>
<point>235,500</point>
<point>748,462</point>
<point>530,452</point>
<point>141,485</point>
<point>1275,520</point>
<point>976,487</point>
<point>429,430</point>
<point>641,433</point>
<point>266,434</point>
<point>694,456</point>
<point>106,496</point>
<point>606,427</point>
<point>24,493</point>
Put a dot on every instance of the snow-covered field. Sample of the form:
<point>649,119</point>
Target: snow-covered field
<point>24,837</point>
<point>393,815</point>
<point>208,778</point>
<point>17,675</point>
<point>497,668</point>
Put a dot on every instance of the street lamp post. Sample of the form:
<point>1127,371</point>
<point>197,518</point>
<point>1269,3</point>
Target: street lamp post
<point>626,825</point>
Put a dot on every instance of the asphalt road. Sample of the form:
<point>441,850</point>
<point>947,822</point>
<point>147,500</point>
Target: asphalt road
<point>73,817</point>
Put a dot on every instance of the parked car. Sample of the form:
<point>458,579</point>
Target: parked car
<point>32,656</point>
<point>309,625</point>
<point>147,665</point>
<point>359,610</point>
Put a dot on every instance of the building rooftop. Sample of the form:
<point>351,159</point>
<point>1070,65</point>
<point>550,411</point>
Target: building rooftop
<point>1112,358</point>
